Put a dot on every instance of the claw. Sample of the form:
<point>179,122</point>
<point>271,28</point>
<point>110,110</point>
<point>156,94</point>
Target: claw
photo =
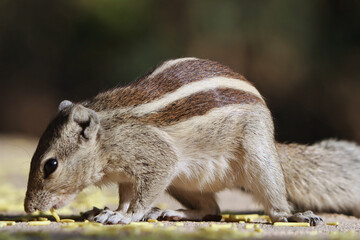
<point>154,213</point>
<point>89,215</point>
<point>307,216</point>
<point>170,215</point>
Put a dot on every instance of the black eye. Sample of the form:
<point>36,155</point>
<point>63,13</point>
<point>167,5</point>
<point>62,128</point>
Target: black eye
<point>50,166</point>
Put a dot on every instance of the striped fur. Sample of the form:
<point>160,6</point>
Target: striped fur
<point>177,90</point>
<point>196,104</point>
<point>168,64</point>
<point>191,127</point>
<point>153,86</point>
<point>206,85</point>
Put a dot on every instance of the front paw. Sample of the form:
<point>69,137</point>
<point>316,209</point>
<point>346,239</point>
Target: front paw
<point>106,216</point>
<point>172,215</point>
<point>189,215</point>
<point>154,213</point>
<point>112,217</point>
<point>89,215</point>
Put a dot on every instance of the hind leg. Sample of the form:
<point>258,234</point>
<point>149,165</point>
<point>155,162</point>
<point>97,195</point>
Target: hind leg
<point>126,194</point>
<point>262,173</point>
<point>307,216</point>
<point>200,206</point>
<point>260,170</point>
<point>263,176</point>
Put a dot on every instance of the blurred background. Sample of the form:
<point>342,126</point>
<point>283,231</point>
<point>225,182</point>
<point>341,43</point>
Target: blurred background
<point>303,56</point>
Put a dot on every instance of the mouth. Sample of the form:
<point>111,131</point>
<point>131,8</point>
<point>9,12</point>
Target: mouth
<point>60,204</point>
<point>64,200</point>
<point>55,202</point>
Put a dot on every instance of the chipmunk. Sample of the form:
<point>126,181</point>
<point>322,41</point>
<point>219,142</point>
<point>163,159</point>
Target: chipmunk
<point>191,127</point>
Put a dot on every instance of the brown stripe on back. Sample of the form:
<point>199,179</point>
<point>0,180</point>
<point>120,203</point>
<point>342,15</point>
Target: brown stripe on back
<point>199,104</point>
<point>145,90</point>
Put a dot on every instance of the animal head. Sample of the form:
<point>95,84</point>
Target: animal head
<point>65,161</point>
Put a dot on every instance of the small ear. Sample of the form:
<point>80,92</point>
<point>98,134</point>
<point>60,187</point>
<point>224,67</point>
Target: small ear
<point>64,104</point>
<point>87,119</point>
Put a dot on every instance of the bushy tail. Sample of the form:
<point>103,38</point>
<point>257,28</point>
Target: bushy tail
<point>322,177</point>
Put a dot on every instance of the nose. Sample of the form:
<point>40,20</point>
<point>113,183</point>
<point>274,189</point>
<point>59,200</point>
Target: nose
<point>29,206</point>
<point>29,209</point>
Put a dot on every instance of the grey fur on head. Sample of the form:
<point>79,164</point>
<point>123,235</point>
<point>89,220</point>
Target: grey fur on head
<point>64,104</point>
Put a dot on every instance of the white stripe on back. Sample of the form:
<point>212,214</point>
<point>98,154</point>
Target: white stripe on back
<point>193,88</point>
<point>169,64</point>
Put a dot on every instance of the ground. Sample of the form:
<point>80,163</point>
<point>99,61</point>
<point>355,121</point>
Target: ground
<point>15,155</point>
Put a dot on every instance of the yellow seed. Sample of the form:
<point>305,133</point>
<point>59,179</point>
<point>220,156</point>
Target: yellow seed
<point>220,226</point>
<point>237,217</point>
<point>242,217</point>
<point>332,223</point>
<point>56,216</point>
<point>67,220</point>
<point>152,220</point>
<point>86,220</point>
<point>42,219</point>
<point>225,216</point>
<point>38,223</point>
<point>257,228</point>
<point>291,224</point>
<point>8,223</point>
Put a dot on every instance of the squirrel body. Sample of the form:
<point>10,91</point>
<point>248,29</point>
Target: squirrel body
<point>191,127</point>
